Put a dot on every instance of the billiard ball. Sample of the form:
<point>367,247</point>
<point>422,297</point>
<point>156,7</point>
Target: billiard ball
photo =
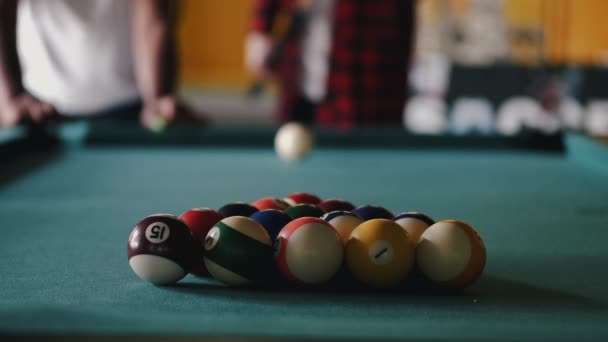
<point>451,254</point>
<point>272,220</point>
<point>237,209</point>
<point>304,210</point>
<point>334,204</point>
<point>379,253</point>
<point>414,223</point>
<point>293,141</point>
<point>302,198</point>
<point>161,249</point>
<point>238,251</point>
<point>308,251</point>
<point>200,221</point>
<point>157,124</point>
<point>369,212</point>
<point>344,222</point>
<point>270,203</point>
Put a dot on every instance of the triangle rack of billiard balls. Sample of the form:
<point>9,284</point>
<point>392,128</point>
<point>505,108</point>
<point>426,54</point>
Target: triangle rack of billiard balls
<point>303,241</point>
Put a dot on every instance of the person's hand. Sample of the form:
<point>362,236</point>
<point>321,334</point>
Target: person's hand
<point>24,107</point>
<point>158,113</point>
<point>257,50</point>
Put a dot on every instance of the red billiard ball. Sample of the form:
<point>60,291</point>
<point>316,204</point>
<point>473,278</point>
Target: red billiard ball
<point>161,249</point>
<point>308,251</point>
<point>200,221</point>
<point>302,198</point>
<point>266,203</point>
<point>334,204</point>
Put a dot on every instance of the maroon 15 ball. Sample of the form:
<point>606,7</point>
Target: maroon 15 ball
<point>161,249</point>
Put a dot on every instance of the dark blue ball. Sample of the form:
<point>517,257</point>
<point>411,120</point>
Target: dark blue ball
<point>420,216</point>
<point>238,209</point>
<point>370,212</point>
<point>272,220</point>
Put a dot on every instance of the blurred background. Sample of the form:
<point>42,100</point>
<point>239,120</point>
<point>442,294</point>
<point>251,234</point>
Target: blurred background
<point>477,65</point>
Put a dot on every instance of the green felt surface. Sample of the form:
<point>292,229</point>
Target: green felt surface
<point>66,217</point>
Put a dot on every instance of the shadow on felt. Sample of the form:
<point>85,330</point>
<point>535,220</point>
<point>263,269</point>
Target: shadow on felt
<point>489,292</point>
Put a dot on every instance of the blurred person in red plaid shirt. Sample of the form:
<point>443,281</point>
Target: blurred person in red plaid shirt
<point>340,63</point>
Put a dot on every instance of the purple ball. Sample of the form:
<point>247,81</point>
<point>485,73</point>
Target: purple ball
<point>370,212</point>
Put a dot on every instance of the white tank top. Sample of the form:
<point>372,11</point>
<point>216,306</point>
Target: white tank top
<point>77,54</point>
<point>316,46</point>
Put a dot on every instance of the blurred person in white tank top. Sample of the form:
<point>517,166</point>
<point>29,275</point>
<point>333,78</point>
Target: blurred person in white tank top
<point>85,58</point>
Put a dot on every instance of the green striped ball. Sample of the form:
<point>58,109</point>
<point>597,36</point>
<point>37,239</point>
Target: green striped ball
<point>238,251</point>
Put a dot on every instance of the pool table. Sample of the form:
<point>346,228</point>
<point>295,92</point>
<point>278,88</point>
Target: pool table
<point>70,197</point>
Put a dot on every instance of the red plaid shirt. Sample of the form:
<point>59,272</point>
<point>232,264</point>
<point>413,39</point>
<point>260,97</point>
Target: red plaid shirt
<point>370,53</point>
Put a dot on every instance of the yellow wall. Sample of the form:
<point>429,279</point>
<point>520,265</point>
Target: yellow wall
<point>587,35</point>
<point>525,19</point>
<point>575,31</point>
<point>212,32</point>
<point>524,12</point>
<point>211,36</point>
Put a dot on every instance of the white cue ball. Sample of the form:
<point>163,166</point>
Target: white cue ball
<point>293,141</point>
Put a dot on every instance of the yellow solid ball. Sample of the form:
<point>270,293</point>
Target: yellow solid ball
<point>379,253</point>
